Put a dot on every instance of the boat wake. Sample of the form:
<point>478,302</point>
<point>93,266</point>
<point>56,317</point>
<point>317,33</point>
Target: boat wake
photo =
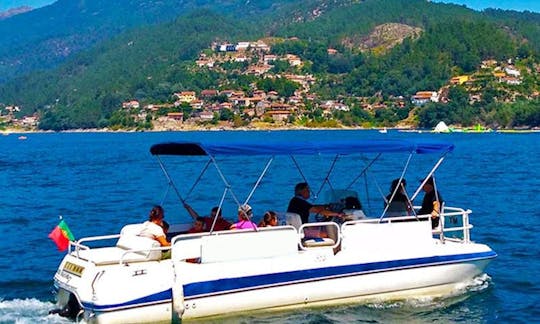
<point>462,292</point>
<point>30,310</point>
<point>476,284</point>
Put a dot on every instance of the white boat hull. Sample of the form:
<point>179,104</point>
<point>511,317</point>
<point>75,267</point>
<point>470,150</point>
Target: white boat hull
<point>387,285</point>
<point>225,283</point>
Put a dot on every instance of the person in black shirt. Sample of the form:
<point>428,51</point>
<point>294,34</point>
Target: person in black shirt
<point>431,204</point>
<point>300,205</point>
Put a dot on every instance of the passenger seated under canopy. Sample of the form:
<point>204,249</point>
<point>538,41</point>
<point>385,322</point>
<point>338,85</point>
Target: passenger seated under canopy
<point>396,202</point>
<point>300,205</point>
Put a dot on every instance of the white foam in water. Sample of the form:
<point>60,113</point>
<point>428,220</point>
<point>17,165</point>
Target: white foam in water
<point>474,285</point>
<point>27,311</point>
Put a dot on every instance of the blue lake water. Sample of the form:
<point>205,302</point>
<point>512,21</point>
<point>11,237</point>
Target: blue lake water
<point>100,181</point>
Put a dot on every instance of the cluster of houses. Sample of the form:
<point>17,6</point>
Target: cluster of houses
<point>245,52</point>
<point>205,108</point>
<point>258,105</point>
<point>503,73</point>
<point>8,116</point>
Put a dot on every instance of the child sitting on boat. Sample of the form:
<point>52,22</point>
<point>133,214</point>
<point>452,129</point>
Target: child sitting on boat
<point>269,219</point>
<point>221,223</point>
<point>198,226</point>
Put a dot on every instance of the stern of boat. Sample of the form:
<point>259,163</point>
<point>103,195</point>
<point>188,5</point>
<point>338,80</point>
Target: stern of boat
<point>114,283</point>
<point>67,281</point>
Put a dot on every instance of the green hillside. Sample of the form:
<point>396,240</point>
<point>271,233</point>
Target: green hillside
<point>46,37</point>
<point>383,50</point>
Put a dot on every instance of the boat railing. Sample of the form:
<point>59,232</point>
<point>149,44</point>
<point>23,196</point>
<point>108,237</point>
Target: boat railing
<point>454,223</point>
<point>77,245</point>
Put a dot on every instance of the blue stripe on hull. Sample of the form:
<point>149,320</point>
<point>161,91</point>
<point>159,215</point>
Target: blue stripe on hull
<point>157,298</point>
<point>221,286</point>
<point>213,287</point>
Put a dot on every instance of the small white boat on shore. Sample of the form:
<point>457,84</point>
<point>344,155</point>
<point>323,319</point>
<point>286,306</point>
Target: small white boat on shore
<point>234,271</point>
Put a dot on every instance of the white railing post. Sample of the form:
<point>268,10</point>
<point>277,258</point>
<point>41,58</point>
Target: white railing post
<point>466,233</point>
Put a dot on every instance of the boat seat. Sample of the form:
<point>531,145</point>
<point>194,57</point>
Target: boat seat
<point>353,214</point>
<point>396,209</point>
<point>293,219</point>
<point>128,240</point>
<point>113,254</point>
<point>131,229</point>
<point>318,242</point>
<point>140,245</point>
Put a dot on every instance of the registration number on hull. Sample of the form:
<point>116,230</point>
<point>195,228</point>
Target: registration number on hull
<point>74,269</point>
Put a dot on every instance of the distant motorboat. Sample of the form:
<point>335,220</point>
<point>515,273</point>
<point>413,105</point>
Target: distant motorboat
<point>383,130</point>
<point>22,137</point>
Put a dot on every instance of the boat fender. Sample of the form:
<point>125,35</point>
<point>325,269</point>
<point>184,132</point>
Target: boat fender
<point>178,307</point>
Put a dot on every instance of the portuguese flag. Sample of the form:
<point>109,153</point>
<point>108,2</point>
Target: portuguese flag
<point>61,235</point>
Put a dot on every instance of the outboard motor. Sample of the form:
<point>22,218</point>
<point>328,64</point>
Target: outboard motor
<point>70,310</point>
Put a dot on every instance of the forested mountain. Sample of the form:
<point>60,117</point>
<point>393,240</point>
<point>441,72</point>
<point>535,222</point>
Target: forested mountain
<point>136,64</point>
<point>150,63</point>
<point>454,37</point>
<point>47,36</point>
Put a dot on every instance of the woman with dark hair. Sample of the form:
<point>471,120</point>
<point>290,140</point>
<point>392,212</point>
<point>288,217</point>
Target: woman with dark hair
<point>397,200</point>
<point>153,227</point>
<point>269,219</point>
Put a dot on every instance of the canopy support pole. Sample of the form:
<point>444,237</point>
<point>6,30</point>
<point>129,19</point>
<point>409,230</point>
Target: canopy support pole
<point>366,188</point>
<point>219,208</point>
<point>435,167</point>
<point>299,169</point>
<point>169,180</point>
<point>364,170</point>
<point>410,205</point>
<point>222,176</point>
<point>327,178</point>
<point>397,188</point>
<point>259,179</point>
<point>198,178</point>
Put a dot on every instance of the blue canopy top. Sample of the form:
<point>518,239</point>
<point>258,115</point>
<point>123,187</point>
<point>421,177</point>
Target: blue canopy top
<point>269,147</point>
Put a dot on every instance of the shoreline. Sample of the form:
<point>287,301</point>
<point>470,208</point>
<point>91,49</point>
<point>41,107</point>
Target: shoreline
<point>382,130</point>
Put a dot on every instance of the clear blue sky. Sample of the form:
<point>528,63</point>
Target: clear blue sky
<point>520,5</point>
<point>8,4</point>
